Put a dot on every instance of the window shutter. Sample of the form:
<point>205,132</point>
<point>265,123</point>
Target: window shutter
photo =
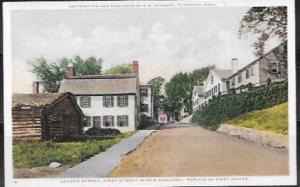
<point>103,99</point>
<point>118,100</point>
<point>112,121</point>
<point>112,101</point>
<point>118,120</point>
<point>126,100</point>
<point>126,120</point>
<point>89,102</point>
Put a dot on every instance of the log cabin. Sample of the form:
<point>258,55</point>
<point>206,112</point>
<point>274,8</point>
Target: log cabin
<point>46,116</point>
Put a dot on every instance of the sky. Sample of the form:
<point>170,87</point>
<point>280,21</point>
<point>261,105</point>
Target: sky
<point>165,41</point>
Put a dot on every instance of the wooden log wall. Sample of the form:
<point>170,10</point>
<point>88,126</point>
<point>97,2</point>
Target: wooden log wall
<point>63,116</point>
<point>26,123</point>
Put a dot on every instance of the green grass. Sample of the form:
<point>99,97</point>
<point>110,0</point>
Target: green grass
<point>274,119</point>
<point>40,153</point>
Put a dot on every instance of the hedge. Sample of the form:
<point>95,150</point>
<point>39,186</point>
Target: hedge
<point>226,107</point>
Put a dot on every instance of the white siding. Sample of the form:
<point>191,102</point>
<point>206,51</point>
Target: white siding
<point>97,109</point>
<point>217,80</point>
<point>254,79</point>
<point>149,101</point>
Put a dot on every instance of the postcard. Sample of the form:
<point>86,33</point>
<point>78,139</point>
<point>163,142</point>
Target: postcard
<point>150,93</point>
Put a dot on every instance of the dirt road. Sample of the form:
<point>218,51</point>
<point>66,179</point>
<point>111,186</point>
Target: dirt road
<point>194,151</point>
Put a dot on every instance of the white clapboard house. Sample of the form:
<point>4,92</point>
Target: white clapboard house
<point>270,67</point>
<point>146,95</point>
<point>107,101</point>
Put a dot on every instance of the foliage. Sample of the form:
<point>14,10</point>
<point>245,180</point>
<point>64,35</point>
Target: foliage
<point>119,69</point>
<point>179,90</point>
<point>88,66</point>
<point>274,119</point>
<point>102,132</point>
<point>265,22</point>
<point>145,122</point>
<point>233,105</point>
<point>156,83</point>
<point>40,153</point>
<point>50,75</point>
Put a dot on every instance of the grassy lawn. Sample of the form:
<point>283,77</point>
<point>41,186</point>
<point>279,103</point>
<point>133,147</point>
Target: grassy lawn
<point>41,153</point>
<point>274,119</point>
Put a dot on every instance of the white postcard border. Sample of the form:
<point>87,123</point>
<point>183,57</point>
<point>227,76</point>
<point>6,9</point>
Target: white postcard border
<point>153,181</point>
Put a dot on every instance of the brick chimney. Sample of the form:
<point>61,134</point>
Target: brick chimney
<point>135,67</point>
<point>35,87</point>
<point>234,65</point>
<point>70,70</point>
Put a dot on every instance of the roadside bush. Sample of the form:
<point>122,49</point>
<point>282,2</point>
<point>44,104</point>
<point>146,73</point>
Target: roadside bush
<point>102,132</point>
<point>145,122</point>
<point>226,107</point>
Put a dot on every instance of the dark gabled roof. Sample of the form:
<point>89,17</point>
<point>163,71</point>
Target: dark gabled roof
<point>42,100</point>
<point>224,74</point>
<point>101,84</point>
<point>37,100</point>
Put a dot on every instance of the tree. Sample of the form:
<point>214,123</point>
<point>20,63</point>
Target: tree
<point>50,75</point>
<point>119,69</point>
<point>156,83</point>
<point>89,66</point>
<point>179,90</point>
<point>266,22</point>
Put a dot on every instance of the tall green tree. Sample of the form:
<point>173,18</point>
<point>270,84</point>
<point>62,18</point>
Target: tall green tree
<point>119,69</point>
<point>179,90</point>
<point>50,75</point>
<point>157,83</point>
<point>266,23</point>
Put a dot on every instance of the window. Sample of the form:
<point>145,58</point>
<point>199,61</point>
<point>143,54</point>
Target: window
<point>144,92</point>
<point>219,88</point>
<point>274,67</point>
<point>233,81</point>
<point>87,121</point>
<point>96,121</point>
<point>247,73</point>
<point>144,108</point>
<point>123,100</point>
<point>122,121</point>
<point>252,70</point>
<point>215,89</point>
<point>108,121</point>
<point>240,78</point>
<point>108,101</point>
<point>212,80</point>
<point>85,102</point>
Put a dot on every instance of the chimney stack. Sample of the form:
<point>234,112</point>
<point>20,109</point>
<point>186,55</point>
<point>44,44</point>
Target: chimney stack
<point>70,70</point>
<point>35,87</point>
<point>234,65</point>
<point>135,67</point>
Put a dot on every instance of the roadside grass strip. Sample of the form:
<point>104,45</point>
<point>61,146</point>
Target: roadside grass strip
<point>273,119</point>
<point>28,154</point>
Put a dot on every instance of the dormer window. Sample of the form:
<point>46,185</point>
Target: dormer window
<point>240,78</point>
<point>274,68</point>
<point>247,73</point>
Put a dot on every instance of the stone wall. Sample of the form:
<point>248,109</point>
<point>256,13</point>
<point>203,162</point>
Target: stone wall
<point>262,137</point>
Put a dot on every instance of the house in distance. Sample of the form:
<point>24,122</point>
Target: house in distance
<point>45,116</point>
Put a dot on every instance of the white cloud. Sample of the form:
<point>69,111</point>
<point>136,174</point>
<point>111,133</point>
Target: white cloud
<point>163,41</point>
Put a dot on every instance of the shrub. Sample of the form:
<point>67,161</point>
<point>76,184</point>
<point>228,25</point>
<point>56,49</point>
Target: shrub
<point>102,132</point>
<point>145,122</point>
<point>226,107</point>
